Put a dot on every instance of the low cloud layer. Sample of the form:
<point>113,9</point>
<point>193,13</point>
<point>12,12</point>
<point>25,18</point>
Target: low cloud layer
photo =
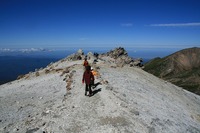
<point>27,50</point>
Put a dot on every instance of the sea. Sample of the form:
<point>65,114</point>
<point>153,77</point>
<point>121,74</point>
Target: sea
<point>17,62</point>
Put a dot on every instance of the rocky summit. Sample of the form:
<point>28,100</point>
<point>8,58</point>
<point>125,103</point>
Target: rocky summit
<point>126,100</point>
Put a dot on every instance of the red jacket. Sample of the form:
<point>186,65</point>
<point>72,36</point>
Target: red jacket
<point>85,63</point>
<point>87,77</point>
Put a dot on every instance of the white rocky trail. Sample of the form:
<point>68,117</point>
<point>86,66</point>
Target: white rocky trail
<point>128,100</point>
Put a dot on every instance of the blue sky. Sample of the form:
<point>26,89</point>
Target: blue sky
<point>99,23</point>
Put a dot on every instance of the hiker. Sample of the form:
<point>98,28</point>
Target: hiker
<point>92,81</point>
<point>95,73</point>
<point>85,63</point>
<point>87,78</point>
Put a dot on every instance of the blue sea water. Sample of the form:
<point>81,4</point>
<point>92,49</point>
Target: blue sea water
<point>13,64</point>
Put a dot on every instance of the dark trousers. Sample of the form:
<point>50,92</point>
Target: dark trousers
<point>92,82</point>
<point>88,88</point>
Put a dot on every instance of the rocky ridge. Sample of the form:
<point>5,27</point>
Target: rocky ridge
<point>181,68</point>
<point>126,99</point>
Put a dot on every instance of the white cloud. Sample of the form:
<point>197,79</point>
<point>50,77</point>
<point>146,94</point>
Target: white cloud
<point>176,25</point>
<point>22,50</point>
<point>32,50</point>
<point>5,50</point>
<point>127,25</point>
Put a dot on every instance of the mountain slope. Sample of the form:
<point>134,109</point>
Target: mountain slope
<point>181,68</point>
<point>127,100</point>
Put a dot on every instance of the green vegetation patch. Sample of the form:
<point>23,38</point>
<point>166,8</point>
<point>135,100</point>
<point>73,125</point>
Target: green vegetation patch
<point>156,66</point>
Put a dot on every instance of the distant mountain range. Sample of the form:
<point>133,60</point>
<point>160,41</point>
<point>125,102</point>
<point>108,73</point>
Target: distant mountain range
<point>181,68</point>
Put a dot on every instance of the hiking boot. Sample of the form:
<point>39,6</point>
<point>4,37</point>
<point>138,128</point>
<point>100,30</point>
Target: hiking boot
<point>90,94</point>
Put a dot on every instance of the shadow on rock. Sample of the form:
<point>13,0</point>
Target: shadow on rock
<point>96,91</point>
<point>95,85</point>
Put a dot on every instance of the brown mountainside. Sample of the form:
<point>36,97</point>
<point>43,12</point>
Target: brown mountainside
<point>181,68</point>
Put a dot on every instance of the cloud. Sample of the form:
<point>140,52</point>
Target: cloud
<point>176,25</point>
<point>6,50</point>
<point>31,50</point>
<point>28,50</point>
<point>127,25</point>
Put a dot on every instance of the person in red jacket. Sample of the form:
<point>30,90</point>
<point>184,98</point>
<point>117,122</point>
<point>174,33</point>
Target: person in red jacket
<point>85,63</point>
<point>87,78</point>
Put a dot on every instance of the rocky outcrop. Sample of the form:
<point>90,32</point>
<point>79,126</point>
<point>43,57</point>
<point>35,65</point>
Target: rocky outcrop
<point>79,55</point>
<point>118,56</point>
<point>121,58</point>
<point>80,52</point>
<point>117,52</point>
<point>90,56</point>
